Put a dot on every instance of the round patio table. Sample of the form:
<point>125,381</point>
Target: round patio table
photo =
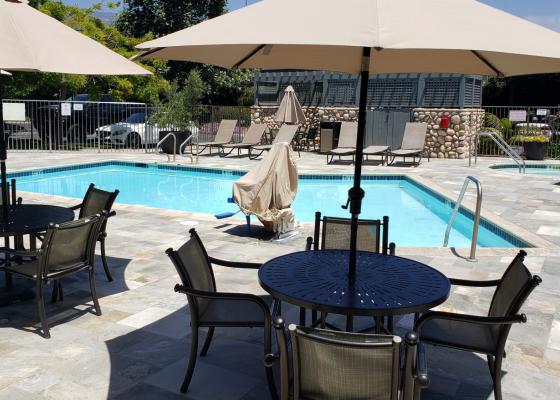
<point>28,219</point>
<point>384,285</point>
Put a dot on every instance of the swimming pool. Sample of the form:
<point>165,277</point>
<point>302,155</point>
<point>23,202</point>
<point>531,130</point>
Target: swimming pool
<point>532,169</point>
<point>418,216</point>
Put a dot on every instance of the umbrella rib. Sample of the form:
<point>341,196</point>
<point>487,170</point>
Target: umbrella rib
<point>145,53</point>
<point>488,63</point>
<point>249,56</point>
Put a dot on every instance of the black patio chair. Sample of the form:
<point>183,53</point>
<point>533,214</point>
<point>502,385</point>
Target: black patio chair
<point>18,240</point>
<point>484,334</point>
<point>95,201</point>
<point>210,308</point>
<point>333,233</point>
<point>67,249</point>
<point>339,365</point>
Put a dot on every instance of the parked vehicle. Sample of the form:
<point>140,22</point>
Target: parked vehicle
<point>76,119</point>
<point>133,132</point>
<point>21,130</point>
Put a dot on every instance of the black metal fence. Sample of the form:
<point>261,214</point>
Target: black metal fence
<point>517,124</point>
<point>39,125</point>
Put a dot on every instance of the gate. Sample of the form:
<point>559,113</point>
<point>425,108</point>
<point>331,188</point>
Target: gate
<point>385,127</point>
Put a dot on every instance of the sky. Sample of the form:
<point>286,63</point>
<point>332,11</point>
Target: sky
<point>543,12</point>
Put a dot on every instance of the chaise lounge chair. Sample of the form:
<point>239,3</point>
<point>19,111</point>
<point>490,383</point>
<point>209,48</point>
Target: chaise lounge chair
<point>285,135</point>
<point>223,136</point>
<point>376,150</point>
<point>346,142</point>
<point>412,143</point>
<point>252,138</point>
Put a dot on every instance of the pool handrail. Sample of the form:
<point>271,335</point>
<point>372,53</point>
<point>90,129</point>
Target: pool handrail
<point>474,238</point>
<point>158,146</point>
<point>192,136</point>
<point>501,143</point>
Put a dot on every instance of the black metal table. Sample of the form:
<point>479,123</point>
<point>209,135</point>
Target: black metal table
<point>28,219</point>
<point>383,285</point>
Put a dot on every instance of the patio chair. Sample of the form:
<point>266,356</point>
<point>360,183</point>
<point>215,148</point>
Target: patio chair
<point>484,334</point>
<point>346,142</point>
<point>307,139</point>
<point>67,249</point>
<point>95,201</point>
<point>18,240</point>
<point>210,308</point>
<point>412,143</point>
<point>376,150</point>
<point>223,136</point>
<point>253,137</point>
<point>333,233</point>
<point>339,365</point>
<point>286,134</point>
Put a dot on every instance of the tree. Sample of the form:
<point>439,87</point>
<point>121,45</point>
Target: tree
<point>47,85</point>
<point>161,17</point>
<point>532,90</point>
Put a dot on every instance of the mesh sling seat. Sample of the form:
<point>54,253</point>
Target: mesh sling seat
<point>223,136</point>
<point>210,308</point>
<point>413,142</point>
<point>376,150</point>
<point>67,249</point>
<point>286,134</point>
<point>346,142</point>
<point>334,365</point>
<point>95,201</point>
<point>484,334</point>
<point>252,138</point>
<point>333,233</point>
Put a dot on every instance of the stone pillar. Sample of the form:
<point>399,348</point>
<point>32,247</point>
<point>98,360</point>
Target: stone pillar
<point>314,115</point>
<point>453,142</point>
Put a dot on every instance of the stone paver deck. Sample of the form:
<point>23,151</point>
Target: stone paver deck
<point>138,348</point>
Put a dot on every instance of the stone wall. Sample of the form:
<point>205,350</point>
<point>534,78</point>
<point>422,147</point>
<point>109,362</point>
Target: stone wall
<point>440,143</point>
<point>314,115</point>
<point>453,142</point>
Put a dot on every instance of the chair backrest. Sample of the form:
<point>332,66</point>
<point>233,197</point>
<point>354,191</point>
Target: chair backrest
<point>71,245</point>
<point>414,136</point>
<point>225,130</point>
<point>195,271</point>
<point>12,194</point>
<point>515,286</point>
<point>286,134</point>
<point>340,365</point>
<point>348,135</point>
<point>254,134</point>
<point>95,201</point>
<point>334,234</point>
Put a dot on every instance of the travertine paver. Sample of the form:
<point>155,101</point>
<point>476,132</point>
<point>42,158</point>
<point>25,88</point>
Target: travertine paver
<point>138,348</point>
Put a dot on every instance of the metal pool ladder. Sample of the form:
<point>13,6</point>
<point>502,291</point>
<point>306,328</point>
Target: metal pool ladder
<point>158,146</point>
<point>502,144</point>
<point>474,238</point>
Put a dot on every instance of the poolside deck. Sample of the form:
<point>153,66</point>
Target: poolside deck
<point>138,348</point>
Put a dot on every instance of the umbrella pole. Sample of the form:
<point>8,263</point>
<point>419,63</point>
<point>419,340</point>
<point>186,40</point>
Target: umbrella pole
<point>3,156</point>
<point>356,193</point>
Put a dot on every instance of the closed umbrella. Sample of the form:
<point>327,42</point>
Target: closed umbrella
<point>367,36</point>
<point>33,41</point>
<point>290,111</point>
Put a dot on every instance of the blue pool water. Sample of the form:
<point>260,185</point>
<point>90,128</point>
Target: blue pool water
<point>418,217</point>
<point>532,169</point>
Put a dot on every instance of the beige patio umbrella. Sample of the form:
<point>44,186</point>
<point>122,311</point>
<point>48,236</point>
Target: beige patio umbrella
<point>2,72</point>
<point>367,36</point>
<point>290,111</point>
<point>33,41</point>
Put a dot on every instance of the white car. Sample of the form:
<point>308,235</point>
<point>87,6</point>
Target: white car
<point>21,130</point>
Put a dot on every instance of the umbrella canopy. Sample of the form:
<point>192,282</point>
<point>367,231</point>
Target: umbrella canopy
<point>33,41</point>
<point>407,35</point>
<point>290,111</point>
<point>367,36</point>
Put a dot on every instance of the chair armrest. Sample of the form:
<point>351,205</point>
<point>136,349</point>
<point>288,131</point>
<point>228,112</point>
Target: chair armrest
<point>392,249</point>
<point>234,264</point>
<point>111,214</point>
<point>76,207</point>
<point>308,243</point>
<point>465,282</point>
<point>475,319</point>
<point>226,296</point>
<point>415,376</point>
<point>19,201</point>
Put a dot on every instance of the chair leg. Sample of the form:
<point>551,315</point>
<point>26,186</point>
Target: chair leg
<point>192,359</point>
<point>104,258</point>
<point>93,292</point>
<point>302,316</point>
<point>41,309</point>
<point>207,342</point>
<point>497,378</point>
<point>268,370</point>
